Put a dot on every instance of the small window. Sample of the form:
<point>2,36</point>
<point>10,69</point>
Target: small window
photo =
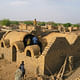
<point>28,53</point>
<point>2,45</point>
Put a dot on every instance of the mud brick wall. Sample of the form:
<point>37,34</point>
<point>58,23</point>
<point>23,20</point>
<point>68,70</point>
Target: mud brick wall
<point>7,53</point>
<point>30,63</point>
<point>41,63</point>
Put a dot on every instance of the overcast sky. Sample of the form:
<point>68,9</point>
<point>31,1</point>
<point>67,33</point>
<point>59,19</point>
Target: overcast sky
<point>60,11</point>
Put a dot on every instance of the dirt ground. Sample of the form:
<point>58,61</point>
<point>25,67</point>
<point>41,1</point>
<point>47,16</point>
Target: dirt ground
<point>7,70</point>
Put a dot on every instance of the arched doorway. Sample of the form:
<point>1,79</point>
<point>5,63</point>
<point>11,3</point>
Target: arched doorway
<point>28,53</point>
<point>2,45</point>
<point>30,36</point>
<point>14,54</point>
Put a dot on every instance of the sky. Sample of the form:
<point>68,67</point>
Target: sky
<point>60,11</point>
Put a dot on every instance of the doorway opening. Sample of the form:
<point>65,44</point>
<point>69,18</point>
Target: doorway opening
<point>14,54</point>
<point>28,53</point>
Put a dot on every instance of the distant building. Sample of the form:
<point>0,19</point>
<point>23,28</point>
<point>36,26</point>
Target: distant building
<point>23,26</point>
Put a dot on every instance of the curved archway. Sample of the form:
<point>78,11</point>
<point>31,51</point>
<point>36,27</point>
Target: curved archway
<point>30,36</point>
<point>2,44</point>
<point>14,54</point>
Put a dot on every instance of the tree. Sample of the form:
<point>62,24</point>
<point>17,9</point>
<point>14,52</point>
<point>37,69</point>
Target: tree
<point>53,24</point>
<point>5,22</point>
<point>67,25</point>
<point>76,25</point>
<point>41,23</point>
<point>15,22</point>
<point>28,22</point>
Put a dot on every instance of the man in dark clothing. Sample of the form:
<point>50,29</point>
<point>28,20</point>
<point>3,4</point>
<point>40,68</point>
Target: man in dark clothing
<point>22,68</point>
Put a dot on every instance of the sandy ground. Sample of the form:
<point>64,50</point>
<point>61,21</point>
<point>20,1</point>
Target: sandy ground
<point>7,70</point>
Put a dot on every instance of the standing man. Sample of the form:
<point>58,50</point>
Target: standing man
<point>34,22</point>
<point>22,69</point>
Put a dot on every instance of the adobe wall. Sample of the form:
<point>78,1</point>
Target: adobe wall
<point>75,47</point>
<point>56,55</point>
<point>30,28</point>
<point>7,53</point>
<point>67,45</point>
<point>33,65</point>
<point>11,36</point>
<point>41,63</point>
<point>23,26</point>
